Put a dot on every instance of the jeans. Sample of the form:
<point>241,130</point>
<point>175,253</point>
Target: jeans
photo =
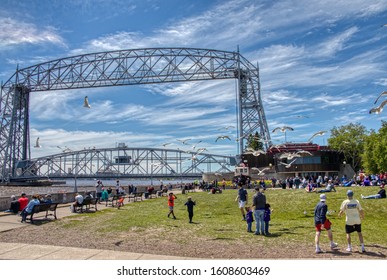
<point>266,227</point>
<point>376,196</point>
<point>260,224</point>
<point>249,227</point>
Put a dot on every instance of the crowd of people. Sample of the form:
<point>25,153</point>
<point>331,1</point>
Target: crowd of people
<point>258,211</point>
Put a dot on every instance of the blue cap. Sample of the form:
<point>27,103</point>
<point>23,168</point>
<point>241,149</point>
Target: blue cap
<point>349,193</point>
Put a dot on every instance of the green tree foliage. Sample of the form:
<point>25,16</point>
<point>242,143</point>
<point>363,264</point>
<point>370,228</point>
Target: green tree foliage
<point>374,156</point>
<point>254,142</point>
<point>349,139</point>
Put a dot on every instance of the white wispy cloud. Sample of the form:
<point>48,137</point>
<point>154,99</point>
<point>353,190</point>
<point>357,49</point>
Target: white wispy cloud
<point>15,32</point>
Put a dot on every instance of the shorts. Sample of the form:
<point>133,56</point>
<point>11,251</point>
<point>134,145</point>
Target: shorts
<point>352,228</point>
<point>170,208</point>
<point>327,225</point>
<point>242,204</point>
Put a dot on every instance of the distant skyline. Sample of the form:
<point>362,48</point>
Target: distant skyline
<point>322,64</point>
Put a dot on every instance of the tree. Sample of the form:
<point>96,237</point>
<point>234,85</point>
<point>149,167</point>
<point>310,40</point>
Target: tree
<point>374,156</point>
<point>254,142</point>
<point>349,139</point>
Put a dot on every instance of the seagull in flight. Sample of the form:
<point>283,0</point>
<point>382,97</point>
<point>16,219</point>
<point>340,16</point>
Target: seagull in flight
<point>226,127</point>
<point>37,145</point>
<point>304,152</point>
<point>319,133</point>
<point>258,153</point>
<point>288,165</point>
<point>223,137</point>
<point>184,141</point>
<point>166,144</point>
<point>289,156</point>
<point>378,110</point>
<point>86,102</point>
<point>260,171</point>
<point>384,93</point>
<point>194,146</point>
<point>277,147</point>
<point>282,129</point>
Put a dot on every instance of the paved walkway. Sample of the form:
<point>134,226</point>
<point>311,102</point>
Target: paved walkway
<point>19,251</point>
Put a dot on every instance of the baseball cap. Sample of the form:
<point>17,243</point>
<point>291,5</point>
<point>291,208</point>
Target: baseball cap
<point>323,197</point>
<point>349,193</point>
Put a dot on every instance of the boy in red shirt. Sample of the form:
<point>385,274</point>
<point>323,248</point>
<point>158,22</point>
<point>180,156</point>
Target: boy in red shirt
<point>23,201</point>
<point>171,203</point>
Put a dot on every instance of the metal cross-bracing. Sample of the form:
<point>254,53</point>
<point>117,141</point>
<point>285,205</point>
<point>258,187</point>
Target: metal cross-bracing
<point>123,163</point>
<point>124,67</point>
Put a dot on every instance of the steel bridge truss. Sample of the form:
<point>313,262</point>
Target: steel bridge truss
<point>124,67</point>
<point>123,163</point>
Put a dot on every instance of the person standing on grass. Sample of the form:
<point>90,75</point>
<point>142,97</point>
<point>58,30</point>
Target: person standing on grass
<point>171,204</point>
<point>242,200</point>
<point>322,222</point>
<point>354,213</point>
<point>98,190</point>
<point>259,202</point>
<point>266,218</point>
<point>249,218</point>
<point>190,205</point>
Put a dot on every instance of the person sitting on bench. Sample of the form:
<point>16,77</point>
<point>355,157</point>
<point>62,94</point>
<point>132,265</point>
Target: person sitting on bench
<point>28,210</point>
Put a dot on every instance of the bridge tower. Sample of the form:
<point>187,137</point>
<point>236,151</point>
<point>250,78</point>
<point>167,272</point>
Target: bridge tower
<point>124,67</point>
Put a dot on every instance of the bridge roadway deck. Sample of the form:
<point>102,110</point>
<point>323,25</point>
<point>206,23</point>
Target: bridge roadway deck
<point>22,251</point>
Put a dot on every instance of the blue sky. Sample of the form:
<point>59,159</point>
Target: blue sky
<point>322,60</point>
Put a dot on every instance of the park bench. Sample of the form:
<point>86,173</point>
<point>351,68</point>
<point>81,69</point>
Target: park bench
<point>112,200</point>
<point>152,194</point>
<point>49,208</point>
<point>136,196</point>
<point>88,203</point>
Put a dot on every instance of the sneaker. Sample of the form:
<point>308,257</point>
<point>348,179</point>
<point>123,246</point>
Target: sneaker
<point>349,249</point>
<point>318,251</point>
<point>362,196</point>
<point>334,245</point>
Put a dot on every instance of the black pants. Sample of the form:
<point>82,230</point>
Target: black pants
<point>190,215</point>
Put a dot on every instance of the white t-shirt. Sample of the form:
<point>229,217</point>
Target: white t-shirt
<point>351,207</point>
<point>79,199</point>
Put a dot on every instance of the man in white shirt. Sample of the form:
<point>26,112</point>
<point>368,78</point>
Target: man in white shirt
<point>354,213</point>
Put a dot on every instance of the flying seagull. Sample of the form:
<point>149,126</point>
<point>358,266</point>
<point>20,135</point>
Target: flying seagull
<point>289,156</point>
<point>166,144</point>
<point>319,133</point>
<point>260,171</point>
<point>282,129</point>
<point>223,137</point>
<point>226,127</point>
<point>194,145</point>
<point>184,141</point>
<point>288,165</point>
<point>384,93</point>
<point>258,153</point>
<point>378,110</point>
<point>37,145</point>
<point>277,147</point>
<point>304,152</point>
<point>86,103</point>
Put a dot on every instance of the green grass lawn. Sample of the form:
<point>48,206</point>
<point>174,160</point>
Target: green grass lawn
<point>216,216</point>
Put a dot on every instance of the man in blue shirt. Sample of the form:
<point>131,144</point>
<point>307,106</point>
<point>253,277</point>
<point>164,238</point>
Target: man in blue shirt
<point>29,207</point>
<point>322,222</point>
<point>242,200</point>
